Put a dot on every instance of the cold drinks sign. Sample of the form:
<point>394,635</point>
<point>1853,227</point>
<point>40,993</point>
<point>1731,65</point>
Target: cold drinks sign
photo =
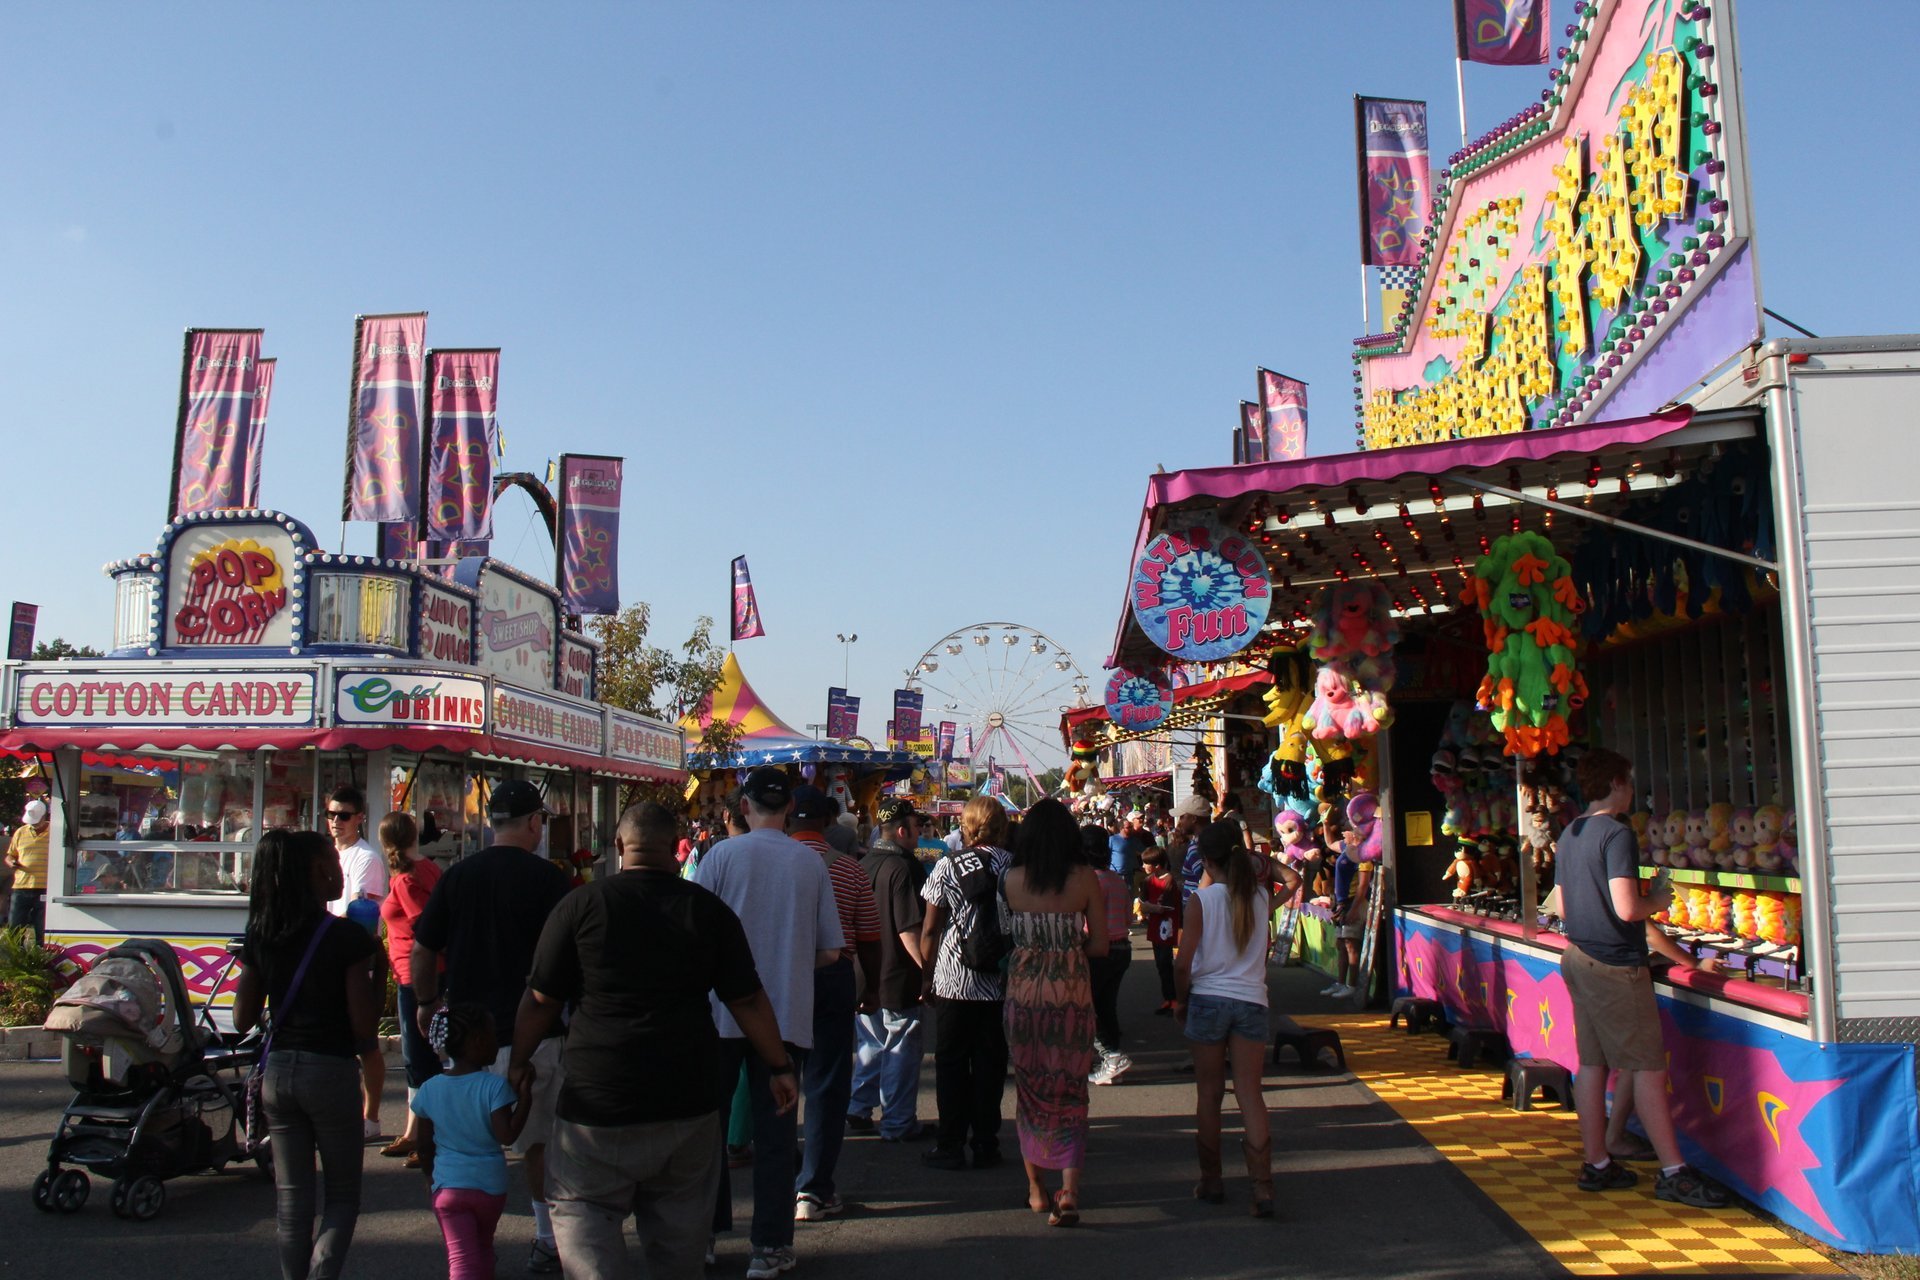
<point>1200,592</point>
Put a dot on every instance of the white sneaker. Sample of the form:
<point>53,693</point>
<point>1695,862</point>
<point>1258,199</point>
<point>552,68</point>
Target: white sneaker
<point>1114,1067</point>
<point>1332,989</point>
<point>1101,1073</point>
<point>812,1208</point>
<point>369,1130</point>
<point>769,1262</point>
<point>1339,991</point>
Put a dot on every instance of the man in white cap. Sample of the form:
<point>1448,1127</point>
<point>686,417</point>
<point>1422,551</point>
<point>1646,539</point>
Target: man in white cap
<point>27,855</point>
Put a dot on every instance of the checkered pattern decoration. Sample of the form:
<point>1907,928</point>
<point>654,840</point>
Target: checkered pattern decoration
<point>1398,277</point>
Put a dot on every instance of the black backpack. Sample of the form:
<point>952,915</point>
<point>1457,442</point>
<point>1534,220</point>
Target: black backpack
<point>985,946</point>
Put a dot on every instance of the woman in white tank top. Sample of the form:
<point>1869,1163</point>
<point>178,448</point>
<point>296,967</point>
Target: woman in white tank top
<point>1221,980</point>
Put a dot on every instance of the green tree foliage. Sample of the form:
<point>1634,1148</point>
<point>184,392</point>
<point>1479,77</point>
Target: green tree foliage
<point>667,683</point>
<point>50,650</point>
<point>13,790</point>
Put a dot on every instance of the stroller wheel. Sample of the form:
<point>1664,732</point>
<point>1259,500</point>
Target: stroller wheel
<point>70,1190</point>
<point>139,1198</point>
<point>43,1190</point>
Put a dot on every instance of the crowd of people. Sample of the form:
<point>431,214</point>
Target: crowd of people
<point>751,1003</point>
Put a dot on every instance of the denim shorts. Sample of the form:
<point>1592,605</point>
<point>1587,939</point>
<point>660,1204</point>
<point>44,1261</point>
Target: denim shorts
<point>1211,1019</point>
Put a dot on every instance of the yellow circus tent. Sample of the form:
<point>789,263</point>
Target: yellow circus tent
<point>764,738</point>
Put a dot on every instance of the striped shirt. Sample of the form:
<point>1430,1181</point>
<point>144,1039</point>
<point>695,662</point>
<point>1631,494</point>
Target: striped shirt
<point>952,979</point>
<point>852,892</point>
<point>1119,896</point>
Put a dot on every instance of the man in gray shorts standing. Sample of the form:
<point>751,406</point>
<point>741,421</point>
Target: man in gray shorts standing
<point>1616,1018</point>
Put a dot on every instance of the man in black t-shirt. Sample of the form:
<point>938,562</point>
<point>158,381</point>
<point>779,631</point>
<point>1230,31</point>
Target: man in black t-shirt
<point>638,1122</point>
<point>886,1064</point>
<point>485,918</point>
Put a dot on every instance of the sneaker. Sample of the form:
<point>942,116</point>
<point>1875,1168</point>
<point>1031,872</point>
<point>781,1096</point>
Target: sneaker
<point>1101,1073</point>
<point>808,1207</point>
<point>713,1257</point>
<point>769,1262</point>
<point>544,1260</point>
<point>943,1158</point>
<point>1615,1177</point>
<point>859,1124</point>
<point>1116,1065</point>
<point>1687,1185</point>
<point>370,1130</point>
<point>1340,991</point>
<point>1333,988</point>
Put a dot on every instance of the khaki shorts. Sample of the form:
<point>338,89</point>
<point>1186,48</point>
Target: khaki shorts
<point>549,1071</point>
<point>1616,1021</point>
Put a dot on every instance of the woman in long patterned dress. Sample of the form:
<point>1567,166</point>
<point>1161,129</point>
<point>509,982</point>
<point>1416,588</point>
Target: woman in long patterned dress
<point>1051,895</point>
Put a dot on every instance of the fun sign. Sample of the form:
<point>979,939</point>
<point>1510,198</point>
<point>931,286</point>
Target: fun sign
<point>1579,239</point>
<point>1138,698</point>
<point>1199,592</point>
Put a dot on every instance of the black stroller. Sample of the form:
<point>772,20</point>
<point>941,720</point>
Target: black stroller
<point>175,1108</point>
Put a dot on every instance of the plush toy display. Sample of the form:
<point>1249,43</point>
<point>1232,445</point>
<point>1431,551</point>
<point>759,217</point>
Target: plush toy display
<point>1461,872</point>
<point>1746,921</point>
<point>1740,834</point>
<point>1695,829</point>
<point>1529,605</point>
<point>1719,819</point>
<point>1290,832</point>
<point>1080,771</point>
<point>1370,836</point>
<point>1770,856</point>
<point>1779,919</point>
<point>1352,639</point>
<point>1673,830</point>
<point>836,781</point>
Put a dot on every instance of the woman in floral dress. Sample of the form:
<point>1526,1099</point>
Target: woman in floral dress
<point>1051,895</point>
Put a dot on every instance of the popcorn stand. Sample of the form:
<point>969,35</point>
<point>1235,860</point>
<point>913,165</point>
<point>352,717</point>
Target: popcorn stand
<point>1587,509</point>
<point>253,672</point>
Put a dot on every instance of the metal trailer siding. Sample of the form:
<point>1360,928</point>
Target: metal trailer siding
<point>1848,417</point>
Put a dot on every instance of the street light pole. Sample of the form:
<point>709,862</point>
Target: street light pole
<point>846,640</point>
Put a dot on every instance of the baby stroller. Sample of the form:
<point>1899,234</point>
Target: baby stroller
<point>175,1106</point>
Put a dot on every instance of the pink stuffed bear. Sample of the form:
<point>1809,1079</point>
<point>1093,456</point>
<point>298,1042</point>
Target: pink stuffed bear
<point>1335,712</point>
<point>1369,833</point>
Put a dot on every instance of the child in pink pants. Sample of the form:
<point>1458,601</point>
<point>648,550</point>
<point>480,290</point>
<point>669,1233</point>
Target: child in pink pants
<point>466,1116</point>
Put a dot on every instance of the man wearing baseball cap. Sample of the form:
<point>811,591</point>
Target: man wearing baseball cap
<point>783,895</point>
<point>1189,816</point>
<point>27,855</point>
<point>485,917</point>
<point>886,1069</point>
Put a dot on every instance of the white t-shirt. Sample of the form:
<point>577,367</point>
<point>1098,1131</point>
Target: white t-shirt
<point>953,841</point>
<point>1220,968</point>
<point>365,870</point>
<point>781,891</point>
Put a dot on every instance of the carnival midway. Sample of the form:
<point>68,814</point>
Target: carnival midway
<point>1509,811</point>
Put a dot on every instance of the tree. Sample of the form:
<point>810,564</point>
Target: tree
<point>57,648</point>
<point>654,681</point>
<point>13,772</point>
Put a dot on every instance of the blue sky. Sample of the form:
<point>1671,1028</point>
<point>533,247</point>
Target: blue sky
<point>904,302</point>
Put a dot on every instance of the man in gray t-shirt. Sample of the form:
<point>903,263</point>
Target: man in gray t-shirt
<point>780,890</point>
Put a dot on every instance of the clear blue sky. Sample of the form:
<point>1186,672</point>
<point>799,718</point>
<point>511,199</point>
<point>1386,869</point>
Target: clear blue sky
<point>904,302</point>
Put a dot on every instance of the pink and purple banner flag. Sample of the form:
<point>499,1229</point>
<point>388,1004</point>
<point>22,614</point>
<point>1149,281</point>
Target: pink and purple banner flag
<point>1501,33</point>
<point>20,631</point>
<point>1391,136</point>
<point>462,425</point>
<point>1283,415</point>
<point>1239,444</point>
<point>839,723</point>
<point>907,705</point>
<point>589,543</point>
<point>1254,446</point>
<point>257,430</point>
<point>746,608</point>
<point>853,717</point>
<point>219,369</point>
<point>383,433</point>
<point>944,749</point>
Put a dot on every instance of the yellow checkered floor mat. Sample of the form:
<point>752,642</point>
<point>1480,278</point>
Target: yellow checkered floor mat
<point>1525,1161</point>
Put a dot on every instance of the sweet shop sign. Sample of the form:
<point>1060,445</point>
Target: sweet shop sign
<point>1589,258</point>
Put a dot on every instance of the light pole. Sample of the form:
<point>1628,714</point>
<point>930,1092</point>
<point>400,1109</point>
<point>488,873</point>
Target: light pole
<point>846,639</point>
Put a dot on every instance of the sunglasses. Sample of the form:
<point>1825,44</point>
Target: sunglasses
<point>341,815</point>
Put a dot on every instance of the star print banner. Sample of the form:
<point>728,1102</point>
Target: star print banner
<point>907,705</point>
<point>1252,447</point>
<point>1392,142</point>
<point>746,608</point>
<point>257,432</point>
<point>589,501</point>
<point>1501,33</point>
<point>840,720</point>
<point>383,432</point>
<point>945,739</point>
<point>462,422</point>
<point>1283,415</point>
<point>219,371</point>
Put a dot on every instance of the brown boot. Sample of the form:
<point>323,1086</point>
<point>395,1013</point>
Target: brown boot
<point>1260,1170</point>
<point>1210,1187</point>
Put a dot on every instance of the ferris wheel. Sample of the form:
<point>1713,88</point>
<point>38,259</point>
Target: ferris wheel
<point>1004,685</point>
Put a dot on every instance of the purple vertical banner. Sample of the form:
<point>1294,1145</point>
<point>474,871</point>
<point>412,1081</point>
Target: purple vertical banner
<point>383,430</point>
<point>1256,444</point>
<point>947,731</point>
<point>218,370</point>
<point>20,633</point>
<point>1501,33</point>
<point>397,542</point>
<point>746,607</point>
<point>462,422</point>
<point>1391,136</point>
<point>1283,415</point>
<point>1239,445</point>
<point>589,541</point>
<point>837,714</point>
<point>969,741</point>
<point>257,430</point>
<point>853,717</point>
<point>907,705</point>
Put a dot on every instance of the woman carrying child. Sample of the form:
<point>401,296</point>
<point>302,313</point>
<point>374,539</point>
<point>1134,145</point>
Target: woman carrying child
<point>462,1119</point>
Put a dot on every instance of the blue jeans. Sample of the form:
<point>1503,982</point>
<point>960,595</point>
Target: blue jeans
<point>828,1081</point>
<point>1211,1019</point>
<point>29,907</point>
<point>886,1069</point>
<point>774,1139</point>
<point>313,1108</point>
<point>423,1064</point>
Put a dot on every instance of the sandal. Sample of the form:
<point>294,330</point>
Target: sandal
<point>401,1146</point>
<point>1039,1201</point>
<point>1066,1209</point>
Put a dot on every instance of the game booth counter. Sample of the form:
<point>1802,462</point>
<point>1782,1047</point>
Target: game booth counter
<point>852,769</point>
<point>1593,505</point>
<point>252,673</point>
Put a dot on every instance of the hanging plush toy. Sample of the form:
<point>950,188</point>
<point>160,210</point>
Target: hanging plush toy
<point>836,782</point>
<point>1529,605</point>
<point>1352,640</point>
<point>1080,770</point>
<point>1370,835</point>
<point>1290,832</point>
<point>1287,699</point>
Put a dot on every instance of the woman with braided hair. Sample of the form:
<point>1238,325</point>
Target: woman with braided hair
<point>320,978</point>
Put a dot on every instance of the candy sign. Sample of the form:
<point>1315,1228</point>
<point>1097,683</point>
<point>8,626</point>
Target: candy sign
<point>1199,592</point>
<point>174,698</point>
<point>1138,698</point>
<point>517,625</point>
<point>446,625</point>
<point>575,678</point>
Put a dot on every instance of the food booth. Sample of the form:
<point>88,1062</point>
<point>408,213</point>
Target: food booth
<point>253,672</point>
<point>1593,506</point>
